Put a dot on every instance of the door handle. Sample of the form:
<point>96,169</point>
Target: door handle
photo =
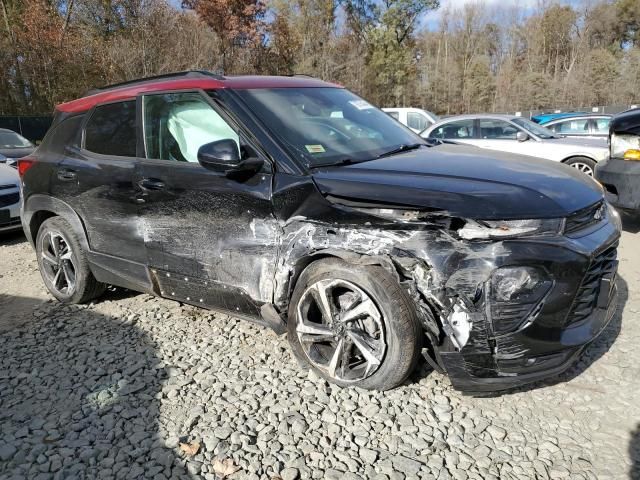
<point>66,174</point>
<point>151,184</point>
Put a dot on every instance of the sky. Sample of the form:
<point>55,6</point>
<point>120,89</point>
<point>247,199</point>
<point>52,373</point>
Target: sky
<point>430,20</point>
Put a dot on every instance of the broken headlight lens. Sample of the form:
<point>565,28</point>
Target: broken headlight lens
<point>517,294</point>
<point>510,283</point>
<point>483,229</point>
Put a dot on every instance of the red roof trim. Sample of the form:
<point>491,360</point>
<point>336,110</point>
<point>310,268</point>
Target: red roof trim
<point>242,82</point>
<point>130,92</point>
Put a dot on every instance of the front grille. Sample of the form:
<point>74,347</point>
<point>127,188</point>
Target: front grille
<point>586,298</point>
<point>585,218</point>
<point>9,199</point>
<point>8,186</point>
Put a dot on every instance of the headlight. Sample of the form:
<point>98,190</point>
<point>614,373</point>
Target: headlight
<point>517,295</point>
<point>625,146</point>
<point>516,283</point>
<point>479,229</point>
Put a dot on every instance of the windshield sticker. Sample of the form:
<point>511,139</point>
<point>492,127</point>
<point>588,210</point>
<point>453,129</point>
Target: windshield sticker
<point>315,148</point>
<point>361,104</point>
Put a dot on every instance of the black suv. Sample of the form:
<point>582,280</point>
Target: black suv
<point>620,173</point>
<point>296,204</point>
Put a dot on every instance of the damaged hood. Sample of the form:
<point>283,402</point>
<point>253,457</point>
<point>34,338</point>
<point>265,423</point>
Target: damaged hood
<point>464,181</point>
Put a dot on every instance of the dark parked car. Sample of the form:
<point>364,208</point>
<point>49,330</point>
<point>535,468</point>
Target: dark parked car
<point>296,204</point>
<point>14,146</point>
<point>620,173</point>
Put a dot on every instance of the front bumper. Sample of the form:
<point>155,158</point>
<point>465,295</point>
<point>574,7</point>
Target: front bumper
<point>579,306</point>
<point>621,181</point>
<point>528,369</point>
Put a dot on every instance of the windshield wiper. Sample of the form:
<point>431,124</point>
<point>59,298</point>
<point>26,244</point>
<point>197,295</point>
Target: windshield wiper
<point>337,163</point>
<point>401,148</point>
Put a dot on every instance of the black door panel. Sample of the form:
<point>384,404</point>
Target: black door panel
<point>205,226</point>
<point>103,193</point>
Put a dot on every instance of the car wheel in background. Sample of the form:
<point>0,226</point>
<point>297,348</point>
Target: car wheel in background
<point>584,164</point>
<point>63,263</point>
<point>354,325</point>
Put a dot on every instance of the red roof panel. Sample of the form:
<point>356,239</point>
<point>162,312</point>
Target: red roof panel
<point>129,92</point>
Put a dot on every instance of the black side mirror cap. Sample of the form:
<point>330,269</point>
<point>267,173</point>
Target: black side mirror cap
<point>224,156</point>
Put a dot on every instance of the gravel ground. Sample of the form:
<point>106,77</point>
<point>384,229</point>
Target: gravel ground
<point>134,386</point>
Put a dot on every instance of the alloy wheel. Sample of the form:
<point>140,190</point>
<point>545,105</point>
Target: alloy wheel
<point>57,263</point>
<point>583,167</point>
<point>340,329</point>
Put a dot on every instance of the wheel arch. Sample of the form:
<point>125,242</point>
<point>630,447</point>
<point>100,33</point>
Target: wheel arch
<point>580,155</point>
<point>38,208</point>
<point>304,262</point>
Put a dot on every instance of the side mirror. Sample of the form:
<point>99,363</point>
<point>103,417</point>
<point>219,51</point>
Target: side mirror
<point>522,137</point>
<point>223,156</point>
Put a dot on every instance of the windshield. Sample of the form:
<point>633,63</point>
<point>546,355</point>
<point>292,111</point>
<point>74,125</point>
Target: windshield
<point>435,117</point>
<point>13,140</point>
<point>534,128</point>
<point>326,126</point>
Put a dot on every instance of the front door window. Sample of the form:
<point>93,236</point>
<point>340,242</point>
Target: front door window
<point>176,125</point>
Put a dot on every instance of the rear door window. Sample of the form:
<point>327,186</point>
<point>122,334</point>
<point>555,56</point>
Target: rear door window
<point>111,130</point>
<point>460,129</point>
<point>601,125</point>
<point>575,127</point>
<point>497,130</point>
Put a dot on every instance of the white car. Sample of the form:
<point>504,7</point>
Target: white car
<point>518,135</point>
<point>9,199</point>
<point>414,118</point>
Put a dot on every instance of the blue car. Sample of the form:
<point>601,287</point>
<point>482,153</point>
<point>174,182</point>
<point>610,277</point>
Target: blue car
<point>547,117</point>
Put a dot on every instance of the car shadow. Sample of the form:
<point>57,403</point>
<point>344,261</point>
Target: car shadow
<point>12,238</point>
<point>80,397</point>
<point>634,454</point>
<point>591,354</point>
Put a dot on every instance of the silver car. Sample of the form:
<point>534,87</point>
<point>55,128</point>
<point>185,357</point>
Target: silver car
<point>582,126</point>
<point>512,134</point>
<point>9,199</point>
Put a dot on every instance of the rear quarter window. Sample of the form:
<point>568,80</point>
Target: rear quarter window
<point>111,130</point>
<point>64,134</point>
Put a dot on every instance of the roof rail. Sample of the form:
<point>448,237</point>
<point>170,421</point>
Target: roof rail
<point>185,74</point>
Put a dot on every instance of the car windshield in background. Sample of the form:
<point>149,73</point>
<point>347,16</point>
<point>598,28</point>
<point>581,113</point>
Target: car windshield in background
<point>13,140</point>
<point>327,126</point>
<point>534,128</point>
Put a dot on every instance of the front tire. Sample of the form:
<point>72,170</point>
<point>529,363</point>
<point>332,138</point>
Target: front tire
<point>583,164</point>
<point>63,263</point>
<point>354,325</point>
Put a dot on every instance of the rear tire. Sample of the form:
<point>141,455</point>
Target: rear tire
<point>582,164</point>
<point>63,263</point>
<point>373,339</point>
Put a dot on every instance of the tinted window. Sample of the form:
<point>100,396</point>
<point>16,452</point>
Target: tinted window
<point>460,129</point>
<point>417,121</point>
<point>497,130</point>
<point>176,125</point>
<point>577,126</point>
<point>111,130</point>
